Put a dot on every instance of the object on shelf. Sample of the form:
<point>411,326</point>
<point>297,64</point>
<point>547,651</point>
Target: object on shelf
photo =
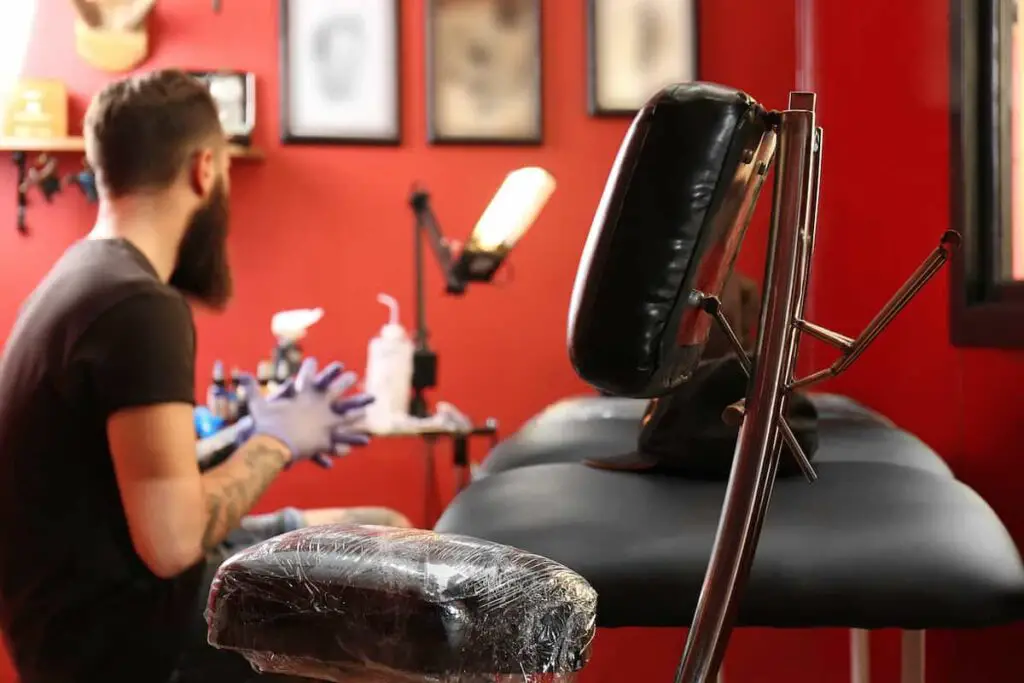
<point>112,35</point>
<point>36,108</point>
<point>288,328</point>
<point>235,95</point>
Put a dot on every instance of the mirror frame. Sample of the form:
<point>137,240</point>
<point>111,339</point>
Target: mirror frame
<point>985,312</point>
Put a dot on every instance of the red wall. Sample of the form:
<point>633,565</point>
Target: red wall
<point>308,222</point>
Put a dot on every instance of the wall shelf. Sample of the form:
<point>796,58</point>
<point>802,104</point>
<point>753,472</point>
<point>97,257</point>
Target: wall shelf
<point>77,144</point>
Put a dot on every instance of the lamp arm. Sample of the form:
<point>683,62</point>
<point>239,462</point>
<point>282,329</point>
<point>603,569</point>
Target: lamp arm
<point>427,224</point>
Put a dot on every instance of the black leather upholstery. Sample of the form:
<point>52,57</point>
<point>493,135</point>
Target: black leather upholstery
<point>847,432</point>
<point>671,220</point>
<point>340,603</point>
<point>866,546</point>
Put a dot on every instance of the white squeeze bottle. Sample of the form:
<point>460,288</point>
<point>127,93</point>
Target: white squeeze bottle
<point>388,371</point>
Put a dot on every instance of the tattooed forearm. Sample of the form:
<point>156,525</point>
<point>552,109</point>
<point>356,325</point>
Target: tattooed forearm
<point>234,487</point>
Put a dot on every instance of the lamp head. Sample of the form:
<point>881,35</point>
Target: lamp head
<point>512,211</point>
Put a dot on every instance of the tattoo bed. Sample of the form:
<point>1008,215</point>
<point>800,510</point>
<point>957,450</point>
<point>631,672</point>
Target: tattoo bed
<point>864,546</point>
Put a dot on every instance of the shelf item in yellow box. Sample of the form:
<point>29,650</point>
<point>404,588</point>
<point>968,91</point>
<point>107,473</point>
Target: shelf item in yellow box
<point>112,35</point>
<point>36,109</point>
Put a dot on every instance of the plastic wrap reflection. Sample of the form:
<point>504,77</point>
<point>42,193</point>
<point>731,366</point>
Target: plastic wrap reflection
<point>371,604</point>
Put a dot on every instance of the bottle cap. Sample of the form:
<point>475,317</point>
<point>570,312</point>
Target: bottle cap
<point>292,325</point>
<point>264,371</point>
<point>393,328</point>
<point>392,332</point>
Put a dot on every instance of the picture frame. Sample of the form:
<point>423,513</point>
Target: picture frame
<point>484,72</point>
<point>340,72</point>
<point>986,296</point>
<point>637,48</point>
<point>235,95</point>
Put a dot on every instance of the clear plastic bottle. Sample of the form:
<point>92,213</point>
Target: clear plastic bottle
<point>388,371</point>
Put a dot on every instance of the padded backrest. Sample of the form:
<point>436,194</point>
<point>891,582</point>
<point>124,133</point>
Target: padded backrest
<point>671,221</point>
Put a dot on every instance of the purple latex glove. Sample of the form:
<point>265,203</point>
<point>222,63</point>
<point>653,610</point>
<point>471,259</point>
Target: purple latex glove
<point>310,413</point>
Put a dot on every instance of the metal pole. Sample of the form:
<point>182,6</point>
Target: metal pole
<point>756,457</point>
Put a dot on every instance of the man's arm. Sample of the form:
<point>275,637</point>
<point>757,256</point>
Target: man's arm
<point>175,514</point>
<point>138,363</point>
<point>231,489</point>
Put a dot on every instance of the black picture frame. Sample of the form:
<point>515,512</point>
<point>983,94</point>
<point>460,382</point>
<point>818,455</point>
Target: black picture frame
<point>291,132</point>
<point>984,310</point>
<point>436,133</point>
<point>595,107</point>
<point>238,115</point>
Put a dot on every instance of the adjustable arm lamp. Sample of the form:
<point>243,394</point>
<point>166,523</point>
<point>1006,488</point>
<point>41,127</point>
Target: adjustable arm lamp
<point>510,214</point>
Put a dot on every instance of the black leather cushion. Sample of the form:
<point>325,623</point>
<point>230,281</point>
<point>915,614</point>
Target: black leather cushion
<point>670,221</point>
<point>866,546</point>
<point>847,432</point>
<point>588,408</point>
<point>339,602</point>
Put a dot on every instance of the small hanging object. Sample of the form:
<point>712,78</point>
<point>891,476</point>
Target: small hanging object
<point>22,165</point>
<point>44,175</point>
<point>85,181</point>
<point>216,6</point>
<point>112,35</point>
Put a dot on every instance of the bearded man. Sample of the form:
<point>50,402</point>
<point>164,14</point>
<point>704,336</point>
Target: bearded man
<point>109,532</point>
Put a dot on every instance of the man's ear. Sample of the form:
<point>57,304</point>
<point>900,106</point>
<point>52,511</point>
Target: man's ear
<point>203,172</point>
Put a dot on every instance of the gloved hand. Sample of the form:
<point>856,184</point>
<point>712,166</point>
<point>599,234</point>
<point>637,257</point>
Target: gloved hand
<point>310,414</point>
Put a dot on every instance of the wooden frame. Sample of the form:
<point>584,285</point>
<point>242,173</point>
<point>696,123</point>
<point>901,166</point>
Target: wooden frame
<point>336,100</point>
<point>985,311</point>
<point>483,126</point>
<point>627,104</point>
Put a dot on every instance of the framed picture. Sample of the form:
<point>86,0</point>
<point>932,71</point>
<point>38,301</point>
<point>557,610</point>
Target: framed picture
<point>637,47</point>
<point>235,95</point>
<point>484,72</point>
<point>340,72</point>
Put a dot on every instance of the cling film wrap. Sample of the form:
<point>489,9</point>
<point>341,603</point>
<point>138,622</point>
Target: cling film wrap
<point>363,604</point>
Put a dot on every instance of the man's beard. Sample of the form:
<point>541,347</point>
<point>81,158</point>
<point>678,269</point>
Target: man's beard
<point>202,271</point>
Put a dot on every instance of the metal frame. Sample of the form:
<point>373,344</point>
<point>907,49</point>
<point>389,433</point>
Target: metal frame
<point>912,656</point>
<point>986,311</point>
<point>763,428</point>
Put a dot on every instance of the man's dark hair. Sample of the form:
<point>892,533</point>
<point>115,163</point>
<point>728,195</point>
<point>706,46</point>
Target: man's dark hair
<point>141,131</point>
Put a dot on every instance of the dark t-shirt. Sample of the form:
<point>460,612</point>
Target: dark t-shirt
<point>100,333</point>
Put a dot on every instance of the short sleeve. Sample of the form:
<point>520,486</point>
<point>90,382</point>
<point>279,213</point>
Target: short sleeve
<point>140,351</point>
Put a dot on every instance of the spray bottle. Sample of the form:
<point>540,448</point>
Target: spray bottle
<point>288,327</point>
<point>388,371</point>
